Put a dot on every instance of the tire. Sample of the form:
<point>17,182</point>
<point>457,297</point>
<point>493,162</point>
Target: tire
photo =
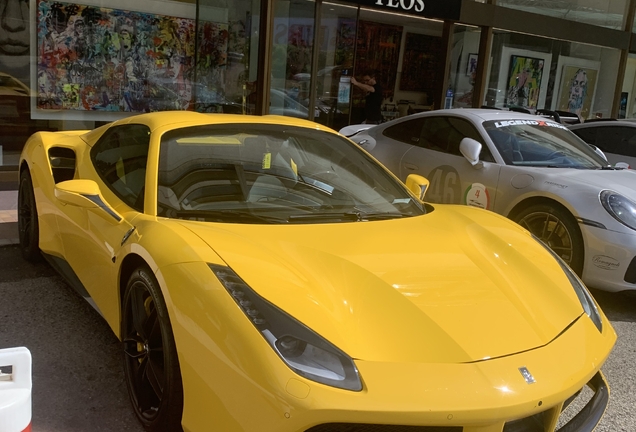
<point>151,364</point>
<point>28,226</point>
<point>557,228</point>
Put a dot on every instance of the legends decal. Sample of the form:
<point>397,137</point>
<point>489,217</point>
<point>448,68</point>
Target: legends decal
<point>541,123</point>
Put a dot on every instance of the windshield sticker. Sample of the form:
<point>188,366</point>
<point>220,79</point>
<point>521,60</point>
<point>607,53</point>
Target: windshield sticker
<point>477,196</point>
<point>294,167</point>
<point>541,123</point>
<point>267,160</point>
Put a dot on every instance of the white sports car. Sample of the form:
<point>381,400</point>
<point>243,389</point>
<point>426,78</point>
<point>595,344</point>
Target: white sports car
<point>528,168</point>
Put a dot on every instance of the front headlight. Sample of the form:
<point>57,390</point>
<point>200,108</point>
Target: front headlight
<point>588,303</point>
<point>621,208</point>
<point>303,350</point>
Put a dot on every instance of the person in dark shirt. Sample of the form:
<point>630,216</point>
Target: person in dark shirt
<point>373,103</point>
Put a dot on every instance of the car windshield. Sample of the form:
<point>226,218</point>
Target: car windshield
<point>541,144</point>
<point>244,173</point>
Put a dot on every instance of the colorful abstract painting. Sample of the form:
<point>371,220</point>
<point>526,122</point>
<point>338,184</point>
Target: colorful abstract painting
<point>99,59</point>
<point>524,82</point>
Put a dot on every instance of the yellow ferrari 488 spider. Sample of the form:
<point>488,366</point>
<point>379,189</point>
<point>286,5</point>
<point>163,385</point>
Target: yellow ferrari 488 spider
<point>267,274</point>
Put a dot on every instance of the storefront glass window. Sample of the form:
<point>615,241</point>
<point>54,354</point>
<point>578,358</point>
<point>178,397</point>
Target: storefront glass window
<point>94,64</point>
<point>226,56</point>
<point>15,88</point>
<point>464,59</point>
<point>407,53</point>
<point>292,44</point>
<point>608,13</point>
<point>530,72</point>
<point>336,46</point>
<point>627,102</point>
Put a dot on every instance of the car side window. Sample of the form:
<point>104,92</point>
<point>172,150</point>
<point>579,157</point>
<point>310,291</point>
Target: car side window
<point>120,158</point>
<point>407,131</point>
<point>587,134</point>
<point>444,134</point>
<point>617,139</point>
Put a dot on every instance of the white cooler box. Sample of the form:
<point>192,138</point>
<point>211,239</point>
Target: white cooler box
<point>15,390</point>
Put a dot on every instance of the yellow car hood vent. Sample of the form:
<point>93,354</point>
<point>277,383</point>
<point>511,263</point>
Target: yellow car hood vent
<point>438,288</point>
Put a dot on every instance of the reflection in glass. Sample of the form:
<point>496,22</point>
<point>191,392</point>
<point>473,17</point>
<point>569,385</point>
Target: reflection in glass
<point>293,41</point>
<point>609,13</point>
<point>226,56</point>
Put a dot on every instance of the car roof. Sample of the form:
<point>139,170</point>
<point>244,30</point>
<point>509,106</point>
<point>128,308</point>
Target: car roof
<point>165,120</point>
<point>483,114</point>
<point>605,122</point>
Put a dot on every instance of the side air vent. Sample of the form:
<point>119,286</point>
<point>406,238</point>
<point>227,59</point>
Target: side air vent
<point>62,162</point>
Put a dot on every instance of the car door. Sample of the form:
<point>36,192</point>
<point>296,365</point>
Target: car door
<point>436,156</point>
<point>92,237</point>
<point>620,142</point>
<point>389,143</point>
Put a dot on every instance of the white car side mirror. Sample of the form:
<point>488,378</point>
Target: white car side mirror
<point>598,151</point>
<point>471,149</point>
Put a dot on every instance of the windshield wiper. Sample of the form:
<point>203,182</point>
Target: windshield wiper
<point>227,216</point>
<point>356,216</point>
<point>322,217</point>
<point>382,216</point>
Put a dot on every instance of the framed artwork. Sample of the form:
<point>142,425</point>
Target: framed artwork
<point>421,64</point>
<point>113,61</point>
<point>576,90</point>
<point>523,85</point>
<point>471,66</point>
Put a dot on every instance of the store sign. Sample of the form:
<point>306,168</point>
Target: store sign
<point>442,9</point>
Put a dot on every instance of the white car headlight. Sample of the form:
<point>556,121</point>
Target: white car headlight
<point>303,350</point>
<point>621,208</point>
<point>586,299</point>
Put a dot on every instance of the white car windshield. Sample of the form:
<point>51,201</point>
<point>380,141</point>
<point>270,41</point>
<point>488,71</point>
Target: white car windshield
<point>246,173</point>
<point>541,144</point>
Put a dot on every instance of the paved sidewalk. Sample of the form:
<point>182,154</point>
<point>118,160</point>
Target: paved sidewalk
<point>8,217</point>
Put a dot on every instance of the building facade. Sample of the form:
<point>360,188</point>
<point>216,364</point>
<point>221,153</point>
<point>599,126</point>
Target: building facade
<point>67,65</point>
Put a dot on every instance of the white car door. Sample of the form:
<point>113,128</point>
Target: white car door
<point>435,155</point>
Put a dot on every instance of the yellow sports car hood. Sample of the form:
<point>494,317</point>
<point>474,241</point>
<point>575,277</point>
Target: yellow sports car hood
<point>455,285</point>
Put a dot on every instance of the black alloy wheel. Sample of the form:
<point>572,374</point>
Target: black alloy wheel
<point>150,356</point>
<point>558,229</point>
<point>28,227</point>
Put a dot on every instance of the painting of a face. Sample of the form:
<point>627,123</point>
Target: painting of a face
<point>14,27</point>
<point>577,90</point>
<point>126,39</point>
<point>579,85</point>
